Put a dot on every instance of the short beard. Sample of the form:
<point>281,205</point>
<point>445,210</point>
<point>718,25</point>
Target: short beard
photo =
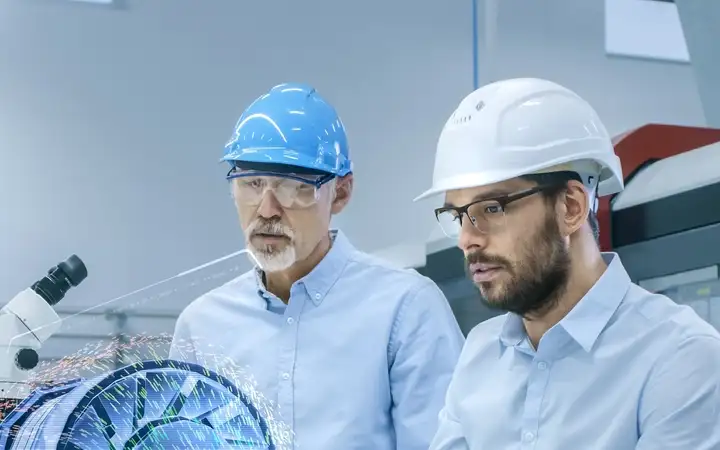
<point>271,260</point>
<point>268,257</point>
<point>537,279</point>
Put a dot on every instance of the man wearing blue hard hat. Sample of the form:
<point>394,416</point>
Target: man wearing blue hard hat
<point>355,354</point>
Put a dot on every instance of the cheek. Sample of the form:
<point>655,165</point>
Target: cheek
<point>246,215</point>
<point>533,252</point>
<point>306,224</point>
<point>506,244</point>
<point>517,251</point>
<point>522,231</point>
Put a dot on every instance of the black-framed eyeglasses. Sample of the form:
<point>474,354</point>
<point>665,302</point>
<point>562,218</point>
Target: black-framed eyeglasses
<point>487,215</point>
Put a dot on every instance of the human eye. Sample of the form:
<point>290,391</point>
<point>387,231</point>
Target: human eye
<point>492,208</point>
<point>252,182</point>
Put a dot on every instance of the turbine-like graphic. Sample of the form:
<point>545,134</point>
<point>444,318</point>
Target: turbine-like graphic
<point>148,405</point>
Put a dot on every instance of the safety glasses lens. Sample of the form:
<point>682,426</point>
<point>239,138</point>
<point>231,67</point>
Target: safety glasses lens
<point>288,192</point>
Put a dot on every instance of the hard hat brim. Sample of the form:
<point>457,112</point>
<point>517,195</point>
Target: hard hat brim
<point>466,181</point>
<point>609,183</point>
<point>284,157</point>
<point>428,194</point>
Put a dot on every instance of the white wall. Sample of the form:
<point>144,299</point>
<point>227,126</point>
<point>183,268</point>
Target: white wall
<point>563,40</point>
<point>699,21</point>
<point>111,121</point>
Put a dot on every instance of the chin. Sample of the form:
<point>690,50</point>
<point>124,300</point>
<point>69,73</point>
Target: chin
<point>493,296</point>
<point>493,288</point>
<point>272,260</point>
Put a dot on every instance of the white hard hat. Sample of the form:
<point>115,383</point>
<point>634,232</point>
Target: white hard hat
<point>520,127</point>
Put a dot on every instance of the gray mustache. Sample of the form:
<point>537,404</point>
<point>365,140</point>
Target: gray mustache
<point>270,228</point>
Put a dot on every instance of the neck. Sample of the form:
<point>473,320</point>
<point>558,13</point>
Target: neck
<point>586,268</point>
<point>279,283</point>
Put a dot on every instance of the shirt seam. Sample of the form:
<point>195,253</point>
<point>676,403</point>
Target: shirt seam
<point>411,297</point>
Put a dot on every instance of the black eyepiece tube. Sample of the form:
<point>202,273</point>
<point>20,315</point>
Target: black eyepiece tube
<point>60,279</point>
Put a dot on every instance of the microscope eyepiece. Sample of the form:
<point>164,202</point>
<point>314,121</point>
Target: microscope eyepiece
<point>60,279</point>
<point>74,269</point>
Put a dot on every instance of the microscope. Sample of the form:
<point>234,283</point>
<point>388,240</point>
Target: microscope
<point>26,322</point>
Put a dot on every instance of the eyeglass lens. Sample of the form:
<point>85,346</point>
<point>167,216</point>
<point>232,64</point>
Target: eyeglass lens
<point>486,216</point>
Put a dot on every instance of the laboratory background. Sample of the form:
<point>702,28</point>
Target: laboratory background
<point>114,115</point>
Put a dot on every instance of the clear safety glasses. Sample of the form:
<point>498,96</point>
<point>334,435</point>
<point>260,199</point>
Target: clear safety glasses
<point>291,191</point>
<point>487,215</point>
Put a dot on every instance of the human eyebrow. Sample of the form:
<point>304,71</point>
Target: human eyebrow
<point>496,193</point>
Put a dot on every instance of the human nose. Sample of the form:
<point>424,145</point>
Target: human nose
<point>470,238</point>
<point>269,205</point>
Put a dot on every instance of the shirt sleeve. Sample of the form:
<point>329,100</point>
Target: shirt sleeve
<point>680,405</point>
<point>182,347</point>
<point>424,347</point>
<point>449,435</point>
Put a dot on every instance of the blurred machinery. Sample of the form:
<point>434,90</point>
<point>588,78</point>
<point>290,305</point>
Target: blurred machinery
<point>665,225</point>
<point>643,147</point>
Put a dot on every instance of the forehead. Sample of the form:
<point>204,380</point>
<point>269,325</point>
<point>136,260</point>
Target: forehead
<point>461,197</point>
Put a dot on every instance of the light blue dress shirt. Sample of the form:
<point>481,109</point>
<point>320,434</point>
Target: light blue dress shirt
<point>624,370</point>
<point>359,359</point>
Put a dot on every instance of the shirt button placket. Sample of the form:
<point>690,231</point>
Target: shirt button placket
<point>286,362</point>
<point>537,382</point>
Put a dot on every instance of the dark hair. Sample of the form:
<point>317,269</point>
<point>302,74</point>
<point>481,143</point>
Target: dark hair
<point>560,179</point>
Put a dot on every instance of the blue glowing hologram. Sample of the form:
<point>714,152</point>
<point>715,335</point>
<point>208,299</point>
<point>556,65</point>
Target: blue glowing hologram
<point>154,405</point>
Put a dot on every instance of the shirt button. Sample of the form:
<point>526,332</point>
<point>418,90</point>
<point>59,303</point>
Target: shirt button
<point>528,437</point>
<point>542,365</point>
<point>317,296</point>
<point>290,320</point>
<point>286,376</point>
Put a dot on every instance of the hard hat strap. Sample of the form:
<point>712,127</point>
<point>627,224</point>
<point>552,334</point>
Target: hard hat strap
<point>591,182</point>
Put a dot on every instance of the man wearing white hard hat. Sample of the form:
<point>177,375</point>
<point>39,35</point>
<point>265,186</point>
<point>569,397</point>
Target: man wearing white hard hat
<point>583,358</point>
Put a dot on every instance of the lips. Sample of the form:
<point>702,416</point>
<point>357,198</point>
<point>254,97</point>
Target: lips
<point>482,273</point>
<point>270,236</point>
<point>482,267</point>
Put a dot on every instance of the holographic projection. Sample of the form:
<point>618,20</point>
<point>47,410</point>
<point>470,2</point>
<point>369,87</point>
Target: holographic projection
<point>148,405</point>
<point>150,402</point>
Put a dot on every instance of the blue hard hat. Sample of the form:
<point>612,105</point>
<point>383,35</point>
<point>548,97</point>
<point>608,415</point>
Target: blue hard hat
<point>291,125</point>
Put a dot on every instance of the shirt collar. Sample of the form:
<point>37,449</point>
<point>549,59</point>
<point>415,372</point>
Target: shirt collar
<point>586,321</point>
<point>319,281</point>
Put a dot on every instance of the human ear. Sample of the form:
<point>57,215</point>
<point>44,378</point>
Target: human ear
<point>342,194</point>
<point>574,208</point>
